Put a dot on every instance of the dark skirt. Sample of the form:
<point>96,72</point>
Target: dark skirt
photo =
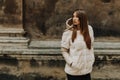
<point>79,77</point>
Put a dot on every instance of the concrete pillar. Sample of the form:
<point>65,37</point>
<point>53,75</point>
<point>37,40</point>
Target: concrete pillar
<point>11,24</point>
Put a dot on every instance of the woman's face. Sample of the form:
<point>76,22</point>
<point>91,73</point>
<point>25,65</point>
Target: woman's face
<point>76,20</point>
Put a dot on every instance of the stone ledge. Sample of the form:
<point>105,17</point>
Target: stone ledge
<point>13,42</point>
<point>55,54</point>
<point>12,29</point>
<point>13,38</point>
<point>55,51</point>
<point>56,44</point>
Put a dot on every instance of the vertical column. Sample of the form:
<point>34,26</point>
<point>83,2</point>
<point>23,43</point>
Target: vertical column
<point>11,18</point>
<point>11,24</point>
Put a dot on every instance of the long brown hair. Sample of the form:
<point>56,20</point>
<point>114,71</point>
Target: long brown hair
<point>83,28</point>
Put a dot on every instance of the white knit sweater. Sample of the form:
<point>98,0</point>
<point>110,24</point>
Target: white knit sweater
<point>80,56</point>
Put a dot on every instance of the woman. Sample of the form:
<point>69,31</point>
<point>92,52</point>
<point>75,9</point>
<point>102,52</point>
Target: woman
<point>77,47</point>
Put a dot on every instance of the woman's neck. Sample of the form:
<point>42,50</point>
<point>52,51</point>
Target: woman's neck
<point>77,27</point>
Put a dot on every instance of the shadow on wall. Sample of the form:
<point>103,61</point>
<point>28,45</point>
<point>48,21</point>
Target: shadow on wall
<point>41,14</point>
<point>27,76</point>
<point>5,59</point>
<point>100,32</point>
<point>44,15</point>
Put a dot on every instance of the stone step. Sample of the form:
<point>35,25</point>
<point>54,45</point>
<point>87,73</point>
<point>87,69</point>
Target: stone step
<point>52,48</point>
<point>56,44</point>
<point>14,46</point>
<point>11,31</point>
<point>44,44</point>
<point>107,45</point>
<point>12,38</point>
<point>13,42</point>
<point>48,52</point>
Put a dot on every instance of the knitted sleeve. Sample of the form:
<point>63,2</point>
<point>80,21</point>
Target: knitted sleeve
<point>65,45</point>
<point>91,33</point>
<point>65,42</point>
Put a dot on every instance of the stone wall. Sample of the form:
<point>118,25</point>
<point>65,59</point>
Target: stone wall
<point>43,60</point>
<point>10,12</point>
<point>47,67</point>
<point>46,19</point>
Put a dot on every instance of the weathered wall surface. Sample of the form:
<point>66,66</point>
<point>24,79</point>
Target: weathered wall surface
<point>10,12</point>
<point>43,61</point>
<point>105,68</point>
<point>46,18</point>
